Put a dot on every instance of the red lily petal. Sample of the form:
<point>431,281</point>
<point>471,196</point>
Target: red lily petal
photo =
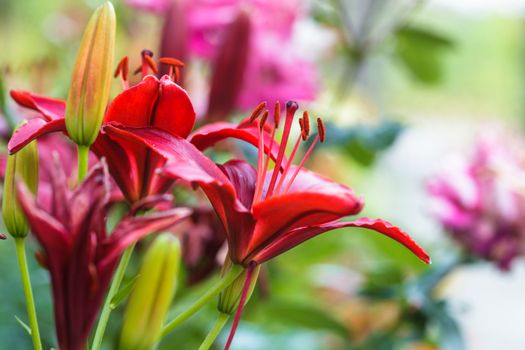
<point>243,177</point>
<point>210,134</point>
<point>123,165</point>
<point>297,236</point>
<point>51,108</point>
<point>187,163</point>
<point>132,229</point>
<point>33,129</point>
<point>312,200</point>
<point>174,112</point>
<point>51,233</point>
<point>151,102</point>
<point>134,106</point>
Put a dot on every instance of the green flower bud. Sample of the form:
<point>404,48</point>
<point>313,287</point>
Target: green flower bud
<point>91,78</point>
<point>152,294</point>
<point>229,298</point>
<point>24,166</point>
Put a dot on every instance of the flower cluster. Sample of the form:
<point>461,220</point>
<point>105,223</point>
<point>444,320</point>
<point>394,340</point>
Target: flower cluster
<point>481,201</point>
<point>145,145</point>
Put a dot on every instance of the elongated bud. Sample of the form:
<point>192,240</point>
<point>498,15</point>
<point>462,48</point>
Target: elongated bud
<point>229,68</point>
<point>91,79</point>
<point>229,299</point>
<point>152,295</point>
<point>22,165</point>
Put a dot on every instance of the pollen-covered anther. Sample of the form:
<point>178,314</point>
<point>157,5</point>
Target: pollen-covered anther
<point>170,61</point>
<point>122,68</point>
<point>175,66</point>
<point>151,64</point>
<point>306,124</point>
<point>321,129</point>
<point>277,114</point>
<point>257,111</point>
<point>263,120</point>
<point>147,62</point>
<point>303,132</point>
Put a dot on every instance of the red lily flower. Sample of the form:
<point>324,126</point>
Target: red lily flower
<point>158,103</point>
<point>80,255</point>
<point>266,213</point>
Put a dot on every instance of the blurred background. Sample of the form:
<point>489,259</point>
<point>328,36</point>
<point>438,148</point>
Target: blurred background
<point>425,111</point>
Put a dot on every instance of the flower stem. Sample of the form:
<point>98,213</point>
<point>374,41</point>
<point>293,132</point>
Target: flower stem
<point>30,302</point>
<point>214,332</point>
<point>83,157</point>
<point>228,279</point>
<point>113,289</point>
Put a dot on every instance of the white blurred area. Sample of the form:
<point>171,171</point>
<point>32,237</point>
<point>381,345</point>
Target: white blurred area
<point>482,7</point>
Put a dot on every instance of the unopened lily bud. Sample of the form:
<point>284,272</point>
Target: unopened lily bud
<point>22,165</point>
<point>229,299</point>
<point>152,295</point>
<point>91,78</point>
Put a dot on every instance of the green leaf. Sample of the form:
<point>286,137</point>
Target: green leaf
<point>302,314</point>
<point>123,293</point>
<point>450,337</point>
<point>422,52</point>
<point>24,325</point>
<point>364,142</point>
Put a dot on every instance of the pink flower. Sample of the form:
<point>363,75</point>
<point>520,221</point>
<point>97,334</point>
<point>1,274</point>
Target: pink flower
<point>274,71</point>
<point>481,201</point>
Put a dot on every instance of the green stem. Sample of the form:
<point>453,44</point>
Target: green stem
<point>83,157</point>
<point>217,328</point>
<point>113,289</point>
<point>228,279</point>
<point>30,302</point>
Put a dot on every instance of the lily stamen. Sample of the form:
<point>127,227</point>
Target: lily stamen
<point>257,111</point>
<point>147,63</point>
<point>261,170</point>
<point>175,66</point>
<point>122,70</point>
<point>292,155</point>
<point>291,107</point>
<point>280,171</point>
<point>321,134</point>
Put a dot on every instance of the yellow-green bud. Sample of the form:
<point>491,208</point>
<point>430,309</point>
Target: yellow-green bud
<point>91,78</point>
<point>230,297</point>
<point>22,165</point>
<point>152,295</point>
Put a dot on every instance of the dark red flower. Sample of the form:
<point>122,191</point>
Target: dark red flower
<point>202,239</point>
<point>77,250</point>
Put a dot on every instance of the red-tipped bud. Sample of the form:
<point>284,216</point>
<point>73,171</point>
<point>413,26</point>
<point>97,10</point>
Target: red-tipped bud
<point>91,78</point>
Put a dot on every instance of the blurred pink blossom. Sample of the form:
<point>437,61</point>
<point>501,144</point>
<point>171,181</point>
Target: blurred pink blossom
<point>274,70</point>
<point>481,201</point>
